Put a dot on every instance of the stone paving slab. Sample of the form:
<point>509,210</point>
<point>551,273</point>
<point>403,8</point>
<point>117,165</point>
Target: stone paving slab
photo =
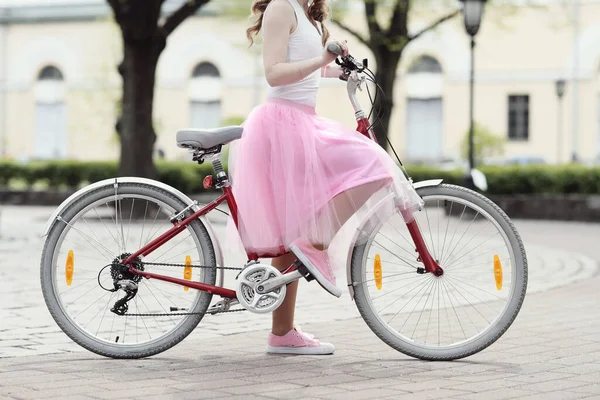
<point>236,366</point>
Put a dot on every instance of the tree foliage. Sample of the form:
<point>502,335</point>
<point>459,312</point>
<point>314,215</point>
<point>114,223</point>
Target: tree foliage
<point>387,36</point>
<point>486,144</point>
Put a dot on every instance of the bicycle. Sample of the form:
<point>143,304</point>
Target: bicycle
<point>431,274</point>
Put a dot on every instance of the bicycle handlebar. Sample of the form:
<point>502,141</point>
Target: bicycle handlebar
<point>347,62</point>
<point>334,48</point>
<point>351,68</point>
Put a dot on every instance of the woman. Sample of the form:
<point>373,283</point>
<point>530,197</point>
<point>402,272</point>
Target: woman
<point>298,177</point>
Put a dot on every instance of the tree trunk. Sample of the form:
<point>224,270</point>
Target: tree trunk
<point>386,78</point>
<point>135,123</point>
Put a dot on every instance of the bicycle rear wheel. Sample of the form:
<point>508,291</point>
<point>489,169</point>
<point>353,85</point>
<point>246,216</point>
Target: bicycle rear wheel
<point>466,309</point>
<point>106,225</point>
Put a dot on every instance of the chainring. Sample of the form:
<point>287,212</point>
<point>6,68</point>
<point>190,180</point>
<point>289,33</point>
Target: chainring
<point>250,278</point>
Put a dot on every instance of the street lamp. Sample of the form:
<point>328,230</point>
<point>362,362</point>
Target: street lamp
<point>560,92</point>
<point>472,11</point>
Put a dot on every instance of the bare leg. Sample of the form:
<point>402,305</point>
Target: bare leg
<point>345,205</point>
<point>283,316</point>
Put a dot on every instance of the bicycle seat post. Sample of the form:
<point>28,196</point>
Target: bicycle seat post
<point>221,178</point>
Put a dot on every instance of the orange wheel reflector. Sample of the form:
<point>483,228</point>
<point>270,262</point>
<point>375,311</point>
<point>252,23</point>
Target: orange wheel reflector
<point>377,271</point>
<point>69,267</point>
<point>498,272</point>
<point>187,271</point>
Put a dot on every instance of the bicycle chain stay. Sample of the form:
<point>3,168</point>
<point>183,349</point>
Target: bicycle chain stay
<point>190,313</point>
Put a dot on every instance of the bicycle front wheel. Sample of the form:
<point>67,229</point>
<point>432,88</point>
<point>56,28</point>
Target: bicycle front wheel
<point>103,227</point>
<point>459,313</point>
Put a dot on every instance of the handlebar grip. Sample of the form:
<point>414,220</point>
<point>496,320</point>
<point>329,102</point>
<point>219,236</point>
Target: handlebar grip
<point>335,48</point>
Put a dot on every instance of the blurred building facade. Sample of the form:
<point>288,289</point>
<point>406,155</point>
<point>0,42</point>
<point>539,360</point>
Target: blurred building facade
<point>60,90</point>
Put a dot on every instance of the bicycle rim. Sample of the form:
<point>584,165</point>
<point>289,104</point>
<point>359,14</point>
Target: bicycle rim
<point>464,310</point>
<point>98,234</point>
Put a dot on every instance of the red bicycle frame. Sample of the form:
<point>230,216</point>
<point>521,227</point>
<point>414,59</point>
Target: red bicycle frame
<point>364,125</point>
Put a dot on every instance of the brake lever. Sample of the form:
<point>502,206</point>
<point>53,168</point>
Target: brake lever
<point>345,75</point>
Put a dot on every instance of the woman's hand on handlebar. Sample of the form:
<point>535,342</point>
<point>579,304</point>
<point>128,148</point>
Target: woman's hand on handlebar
<point>329,57</point>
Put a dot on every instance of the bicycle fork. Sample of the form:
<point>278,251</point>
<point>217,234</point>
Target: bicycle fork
<point>429,263</point>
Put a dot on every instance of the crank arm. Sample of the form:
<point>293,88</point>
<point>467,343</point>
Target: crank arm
<point>276,283</point>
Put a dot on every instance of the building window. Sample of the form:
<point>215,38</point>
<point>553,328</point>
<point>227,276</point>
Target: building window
<point>518,117</point>
<point>425,110</point>
<point>50,115</point>
<point>205,97</point>
<point>425,64</point>
<point>50,73</point>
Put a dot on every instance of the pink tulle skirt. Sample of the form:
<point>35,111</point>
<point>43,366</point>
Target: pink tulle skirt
<point>296,174</point>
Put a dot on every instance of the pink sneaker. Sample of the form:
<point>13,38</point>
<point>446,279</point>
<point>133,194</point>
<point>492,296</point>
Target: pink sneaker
<point>317,263</point>
<point>295,342</point>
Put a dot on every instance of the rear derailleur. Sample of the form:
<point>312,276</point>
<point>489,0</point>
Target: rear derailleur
<point>125,280</point>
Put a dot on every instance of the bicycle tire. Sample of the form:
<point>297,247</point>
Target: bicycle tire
<point>82,338</point>
<point>494,333</point>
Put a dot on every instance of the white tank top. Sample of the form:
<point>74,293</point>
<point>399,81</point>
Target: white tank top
<point>304,43</point>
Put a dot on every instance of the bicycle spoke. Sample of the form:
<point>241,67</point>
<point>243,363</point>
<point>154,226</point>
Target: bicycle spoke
<point>170,294</point>
<point>462,236</point>
<point>88,226</point>
<point>472,306</point>
<point>103,315</point>
<point>460,288</point>
<point>90,239</point>
<point>437,282</point>
<point>454,309</point>
<point>453,266</point>
<point>416,279</point>
<point>446,234</point>
<point>407,251</point>
<point>160,304</point>
<point>172,247</point>
<point>398,257</point>
<point>384,277</point>
<point>108,230</point>
<point>143,224</point>
<point>456,227</point>
<point>152,227</point>
<point>130,215</point>
<point>475,287</point>
<point>474,248</point>
<point>418,286</point>
<point>424,287</point>
<point>424,304</point>
<point>87,308</point>
<point>465,245</point>
<point>389,222</point>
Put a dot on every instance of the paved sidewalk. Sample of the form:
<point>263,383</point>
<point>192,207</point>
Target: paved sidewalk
<point>552,351</point>
<point>26,327</point>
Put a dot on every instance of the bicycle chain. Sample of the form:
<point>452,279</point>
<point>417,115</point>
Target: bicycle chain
<point>176,314</point>
<point>191,266</point>
<point>179,314</point>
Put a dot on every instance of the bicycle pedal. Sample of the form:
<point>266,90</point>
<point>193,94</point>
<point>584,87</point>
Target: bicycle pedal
<point>222,306</point>
<point>303,270</point>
